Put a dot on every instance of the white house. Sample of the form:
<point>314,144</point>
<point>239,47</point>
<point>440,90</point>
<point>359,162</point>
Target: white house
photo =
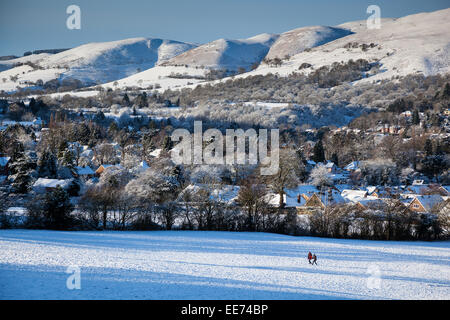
<point>43,185</point>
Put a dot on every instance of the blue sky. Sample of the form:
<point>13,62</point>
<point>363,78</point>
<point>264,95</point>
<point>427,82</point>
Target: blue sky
<point>31,25</point>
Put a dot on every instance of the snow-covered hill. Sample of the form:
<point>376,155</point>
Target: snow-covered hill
<point>161,77</point>
<point>96,62</point>
<point>230,55</point>
<point>413,44</point>
<point>117,59</point>
<point>34,58</point>
<point>295,41</point>
<point>202,265</point>
<point>227,54</point>
<point>418,43</point>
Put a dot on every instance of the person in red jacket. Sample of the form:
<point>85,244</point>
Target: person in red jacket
<point>309,257</point>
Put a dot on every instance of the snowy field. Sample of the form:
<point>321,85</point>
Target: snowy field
<point>218,265</point>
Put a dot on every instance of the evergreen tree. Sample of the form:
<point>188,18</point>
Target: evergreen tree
<point>21,168</point>
<point>47,165</point>
<point>318,152</point>
<point>415,117</point>
<point>141,100</point>
<point>126,100</point>
<point>334,159</point>
<point>32,106</point>
<point>62,147</point>
<point>113,128</point>
<point>68,160</point>
<point>428,148</point>
<point>53,209</point>
<point>167,143</point>
<point>147,144</point>
<point>446,91</point>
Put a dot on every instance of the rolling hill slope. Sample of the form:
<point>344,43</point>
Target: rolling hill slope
<point>295,41</point>
<point>227,54</point>
<point>413,44</point>
<point>97,62</point>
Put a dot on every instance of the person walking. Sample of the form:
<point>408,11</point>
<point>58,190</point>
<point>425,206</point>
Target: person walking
<point>314,257</point>
<point>309,257</point>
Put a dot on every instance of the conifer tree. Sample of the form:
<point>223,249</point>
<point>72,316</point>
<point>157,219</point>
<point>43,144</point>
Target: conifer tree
<point>22,167</point>
<point>47,165</point>
<point>318,152</point>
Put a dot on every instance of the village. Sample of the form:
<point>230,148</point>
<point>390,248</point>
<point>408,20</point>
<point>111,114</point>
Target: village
<point>44,161</point>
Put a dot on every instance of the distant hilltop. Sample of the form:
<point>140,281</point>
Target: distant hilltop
<point>3,58</point>
<point>52,51</point>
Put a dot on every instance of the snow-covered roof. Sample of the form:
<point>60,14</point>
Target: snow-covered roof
<point>416,189</point>
<point>87,153</point>
<point>429,201</point>
<point>155,153</point>
<point>84,171</point>
<point>354,195</point>
<point>4,161</point>
<point>338,176</point>
<point>329,164</point>
<point>51,183</point>
<point>371,189</point>
<point>144,164</point>
<point>352,165</point>
<point>106,166</point>
<point>223,193</point>
<point>291,197</point>
<point>342,187</point>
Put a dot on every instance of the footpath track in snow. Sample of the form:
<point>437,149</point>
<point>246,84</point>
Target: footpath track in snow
<point>218,265</point>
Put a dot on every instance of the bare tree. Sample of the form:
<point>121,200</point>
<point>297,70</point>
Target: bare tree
<point>287,175</point>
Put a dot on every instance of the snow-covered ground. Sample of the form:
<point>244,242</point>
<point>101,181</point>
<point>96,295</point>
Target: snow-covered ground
<point>218,265</point>
<point>412,44</point>
<point>227,54</point>
<point>92,62</point>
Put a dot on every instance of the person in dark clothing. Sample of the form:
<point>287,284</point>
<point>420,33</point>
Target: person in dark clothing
<point>309,257</point>
<point>314,257</point>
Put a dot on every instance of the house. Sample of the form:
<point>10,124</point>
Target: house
<point>319,201</point>
<point>310,164</point>
<point>354,195</point>
<point>296,197</point>
<point>85,172</point>
<point>447,112</point>
<point>44,185</point>
<point>372,191</point>
<point>416,189</point>
<point>4,164</point>
<point>340,178</point>
<point>102,168</point>
<point>446,189</point>
<point>394,129</point>
<point>406,114</point>
<point>156,153</point>
<point>331,167</point>
<point>141,167</point>
<point>352,166</point>
<point>226,194</point>
<point>424,204</point>
<point>87,153</point>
